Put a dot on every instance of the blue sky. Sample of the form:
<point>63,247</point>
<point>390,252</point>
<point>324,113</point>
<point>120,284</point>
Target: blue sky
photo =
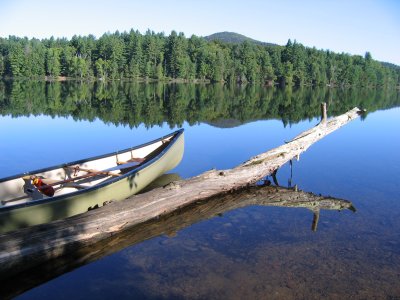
<point>350,26</point>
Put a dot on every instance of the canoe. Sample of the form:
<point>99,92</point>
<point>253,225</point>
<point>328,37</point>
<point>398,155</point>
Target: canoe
<point>57,192</point>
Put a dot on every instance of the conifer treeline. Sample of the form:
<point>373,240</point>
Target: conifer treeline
<point>154,56</point>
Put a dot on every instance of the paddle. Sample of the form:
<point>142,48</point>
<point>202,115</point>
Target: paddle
<point>91,174</point>
<point>47,189</point>
<point>45,186</point>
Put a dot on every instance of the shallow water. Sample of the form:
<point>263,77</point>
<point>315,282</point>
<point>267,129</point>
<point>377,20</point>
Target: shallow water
<point>253,252</point>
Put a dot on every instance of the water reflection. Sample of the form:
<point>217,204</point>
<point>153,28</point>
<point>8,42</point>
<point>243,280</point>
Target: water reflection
<point>169,225</point>
<point>126,103</point>
<point>249,252</point>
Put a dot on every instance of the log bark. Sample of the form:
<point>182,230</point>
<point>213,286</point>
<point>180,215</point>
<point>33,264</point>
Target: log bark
<point>33,246</point>
<point>169,225</point>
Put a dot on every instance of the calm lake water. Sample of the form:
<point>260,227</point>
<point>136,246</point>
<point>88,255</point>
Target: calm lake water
<point>251,252</point>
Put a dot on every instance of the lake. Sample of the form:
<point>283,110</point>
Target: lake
<point>250,252</point>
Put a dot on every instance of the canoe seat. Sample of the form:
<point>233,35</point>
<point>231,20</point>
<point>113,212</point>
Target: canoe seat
<point>76,169</point>
<point>133,159</point>
<point>73,185</point>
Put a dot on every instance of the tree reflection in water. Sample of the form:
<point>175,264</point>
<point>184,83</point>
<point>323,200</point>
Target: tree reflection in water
<point>127,103</point>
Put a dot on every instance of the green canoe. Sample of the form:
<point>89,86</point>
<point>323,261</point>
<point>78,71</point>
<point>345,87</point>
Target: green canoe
<point>62,191</point>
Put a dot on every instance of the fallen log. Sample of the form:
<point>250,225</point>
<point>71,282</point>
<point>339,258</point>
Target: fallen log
<point>35,245</point>
<point>170,224</point>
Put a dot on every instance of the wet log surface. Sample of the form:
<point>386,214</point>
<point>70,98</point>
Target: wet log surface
<point>31,247</point>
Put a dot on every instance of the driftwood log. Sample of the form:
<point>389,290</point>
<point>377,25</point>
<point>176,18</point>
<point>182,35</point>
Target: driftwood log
<point>170,224</point>
<point>31,247</point>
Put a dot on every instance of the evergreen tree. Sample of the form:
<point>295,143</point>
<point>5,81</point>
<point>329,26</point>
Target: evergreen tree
<point>53,66</point>
<point>2,65</point>
<point>15,60</point>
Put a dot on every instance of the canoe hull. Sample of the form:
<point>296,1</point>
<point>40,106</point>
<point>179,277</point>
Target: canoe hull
<point>116,190</point>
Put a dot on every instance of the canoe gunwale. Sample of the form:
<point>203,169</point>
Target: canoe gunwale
<point>175,136</point>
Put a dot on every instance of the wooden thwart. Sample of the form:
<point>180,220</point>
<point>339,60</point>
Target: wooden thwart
<point>93,171</point>
<point>132,160</point>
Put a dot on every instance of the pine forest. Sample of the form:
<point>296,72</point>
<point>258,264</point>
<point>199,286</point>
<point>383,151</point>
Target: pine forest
<point>157,57</point>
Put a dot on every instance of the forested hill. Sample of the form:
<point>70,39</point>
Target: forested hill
<point>234,38</point>
<point>155,56</point>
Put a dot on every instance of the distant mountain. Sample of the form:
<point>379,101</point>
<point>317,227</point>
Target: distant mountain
<point>225,123</point>
<point>391,66</point>
<point>234,38</point>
